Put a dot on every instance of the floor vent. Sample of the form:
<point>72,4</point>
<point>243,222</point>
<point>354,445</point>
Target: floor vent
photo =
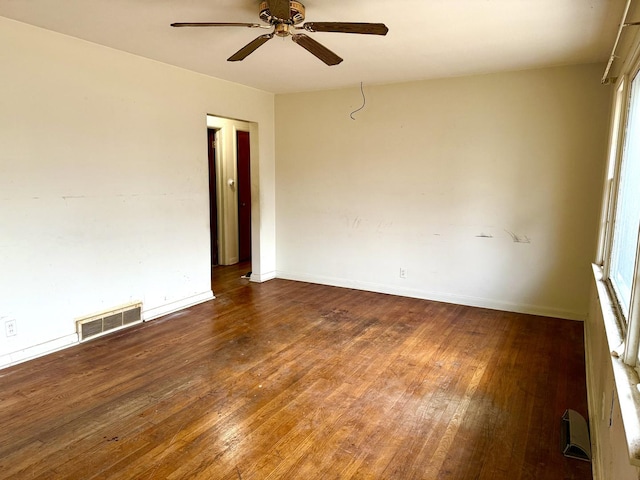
<point>575,436</point>
<point>109,321</point>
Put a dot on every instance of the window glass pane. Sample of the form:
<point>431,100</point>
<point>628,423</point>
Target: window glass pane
<point>610,186</point>
<point>627,219</point>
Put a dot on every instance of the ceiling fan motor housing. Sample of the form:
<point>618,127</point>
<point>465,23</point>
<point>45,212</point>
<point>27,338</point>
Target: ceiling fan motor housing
<point>296,9</point>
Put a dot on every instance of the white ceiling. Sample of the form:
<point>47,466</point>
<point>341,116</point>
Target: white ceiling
<point>426,39</point>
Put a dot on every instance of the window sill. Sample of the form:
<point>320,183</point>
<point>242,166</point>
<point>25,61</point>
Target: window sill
<point>625,377</point>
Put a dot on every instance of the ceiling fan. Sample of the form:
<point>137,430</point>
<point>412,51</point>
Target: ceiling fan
<point>283,17</point>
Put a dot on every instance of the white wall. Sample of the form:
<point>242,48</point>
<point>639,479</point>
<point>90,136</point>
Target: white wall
<point>439,178</point>
<point>609,446</point>
<point>104,186</point>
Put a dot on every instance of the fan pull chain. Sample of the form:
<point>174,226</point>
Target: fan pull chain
<point>364,102</point>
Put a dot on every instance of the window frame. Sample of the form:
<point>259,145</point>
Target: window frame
<point>629,326</point>
<point>618,120</point>
<point>622,337</point>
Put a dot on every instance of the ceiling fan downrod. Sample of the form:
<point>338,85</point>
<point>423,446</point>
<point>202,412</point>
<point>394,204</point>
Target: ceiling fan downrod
<point>282,11</point>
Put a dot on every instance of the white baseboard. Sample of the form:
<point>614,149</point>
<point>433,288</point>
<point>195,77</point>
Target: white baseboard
<point>36,351</point>
<point>434,296</point>
<point>151,313</point>
<point>52,346</point>
<point>263,277</point>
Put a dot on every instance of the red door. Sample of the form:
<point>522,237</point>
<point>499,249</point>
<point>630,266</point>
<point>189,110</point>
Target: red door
<point>244,197</point>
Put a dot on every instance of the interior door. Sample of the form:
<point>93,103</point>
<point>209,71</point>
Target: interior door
<point>244,196</point>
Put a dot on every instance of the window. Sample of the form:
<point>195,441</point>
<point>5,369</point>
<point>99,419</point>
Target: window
<point>624,247</point>
<point>617,274</point>
<point>622,213</point>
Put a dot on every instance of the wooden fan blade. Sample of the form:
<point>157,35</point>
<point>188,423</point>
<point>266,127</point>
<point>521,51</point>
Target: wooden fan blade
<point>251,47</point>
<point>280,9</point>
<point>347,27</point>
<point>218,24</point>
<point>315,48</point>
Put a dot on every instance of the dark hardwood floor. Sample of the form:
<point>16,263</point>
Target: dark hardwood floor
<point>287,380</point>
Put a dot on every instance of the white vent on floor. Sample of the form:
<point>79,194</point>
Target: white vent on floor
<point>109,321</point>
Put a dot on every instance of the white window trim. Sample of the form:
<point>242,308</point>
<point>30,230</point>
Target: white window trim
<point>616,136</point>
<point>631,327</point>
<point>623,337</point>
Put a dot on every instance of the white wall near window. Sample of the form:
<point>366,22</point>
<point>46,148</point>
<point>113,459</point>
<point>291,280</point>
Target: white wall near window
<point>609,444</point>
<point>484,189</point>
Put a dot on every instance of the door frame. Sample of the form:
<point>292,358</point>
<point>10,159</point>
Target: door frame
<point>212,141</point>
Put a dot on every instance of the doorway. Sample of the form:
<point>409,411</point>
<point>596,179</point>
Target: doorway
<point>230,191</point>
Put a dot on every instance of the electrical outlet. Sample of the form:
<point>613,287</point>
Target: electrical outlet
<point>403,273</point>
<point>10,328</point>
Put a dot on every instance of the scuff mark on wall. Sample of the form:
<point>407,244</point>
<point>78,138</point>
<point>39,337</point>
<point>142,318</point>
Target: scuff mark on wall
<point>518,238</point>
<point>383,226</point>
<point>484,235</point>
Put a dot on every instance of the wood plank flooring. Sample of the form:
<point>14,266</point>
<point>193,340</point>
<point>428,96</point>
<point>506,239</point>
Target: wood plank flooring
<point>288,380</point>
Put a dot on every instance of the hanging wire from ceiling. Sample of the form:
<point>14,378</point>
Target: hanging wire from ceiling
<point>364,102</point>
